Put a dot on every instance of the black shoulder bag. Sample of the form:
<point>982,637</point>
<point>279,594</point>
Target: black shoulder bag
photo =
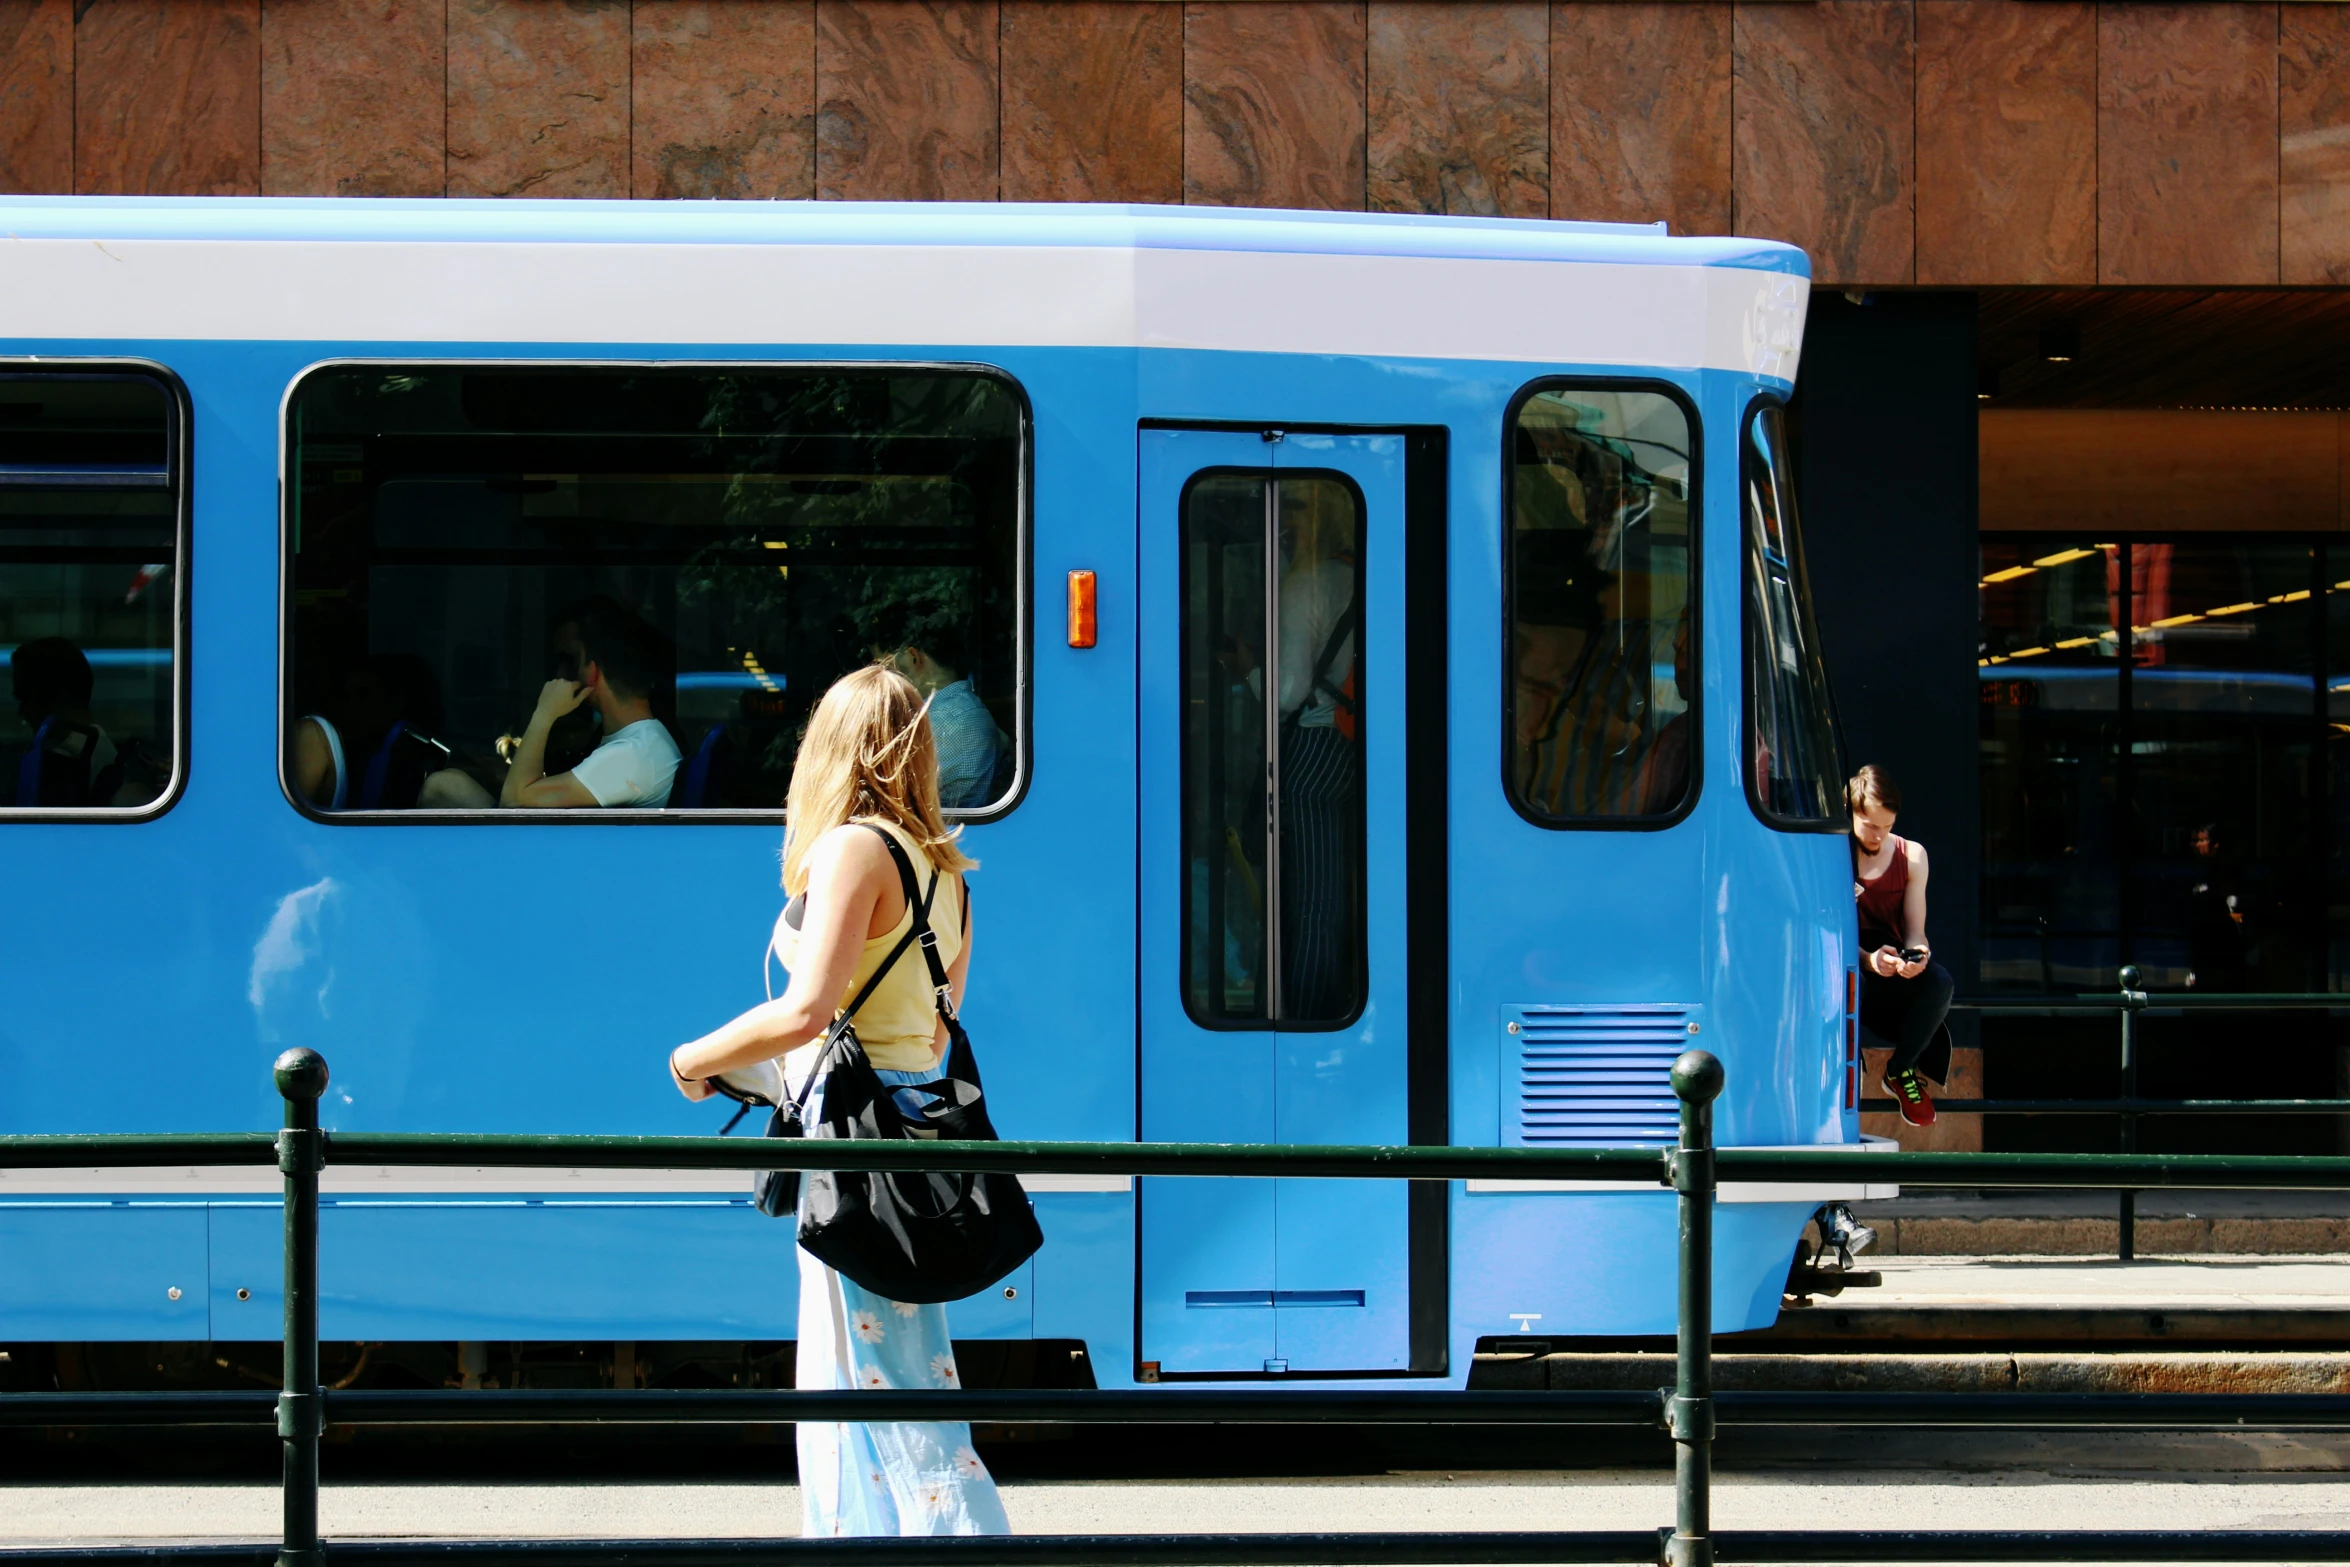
<point>913,1236</point>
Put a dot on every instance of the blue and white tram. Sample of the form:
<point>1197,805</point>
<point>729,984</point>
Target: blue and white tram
<point>1437,746</point>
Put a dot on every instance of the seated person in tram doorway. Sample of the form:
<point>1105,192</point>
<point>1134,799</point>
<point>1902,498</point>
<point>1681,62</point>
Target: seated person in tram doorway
<point>935,656</point>
<point>619,665</point>
<point>1904,993</point>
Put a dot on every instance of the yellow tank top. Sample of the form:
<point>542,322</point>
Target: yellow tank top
<point>898,1025</point>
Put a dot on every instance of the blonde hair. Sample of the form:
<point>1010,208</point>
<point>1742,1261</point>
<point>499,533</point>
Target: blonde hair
<point>867,753</point>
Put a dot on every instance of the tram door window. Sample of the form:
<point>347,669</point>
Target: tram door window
<point>738,539</point>
<point>1792,774</point>
<point>91,531</point>
<point>1272,929</point>
<point>1272,779</point>
<point>1603,681</point>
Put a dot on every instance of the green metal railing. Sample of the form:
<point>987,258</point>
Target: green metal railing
<point>1689,1411</point>
<point>2127,1003</point>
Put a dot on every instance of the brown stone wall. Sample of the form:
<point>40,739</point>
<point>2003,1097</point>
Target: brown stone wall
<point>1940,142</point>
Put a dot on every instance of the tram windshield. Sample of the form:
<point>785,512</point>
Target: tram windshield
<point>1792,776</point>
<point>718,545</point>
<point>1602,676</point>
<point>89,589</point>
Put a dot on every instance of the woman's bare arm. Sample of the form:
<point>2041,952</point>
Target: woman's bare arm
<point>1913,906</point>
<point>848,873</point>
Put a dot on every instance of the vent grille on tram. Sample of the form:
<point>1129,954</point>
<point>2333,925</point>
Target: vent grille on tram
<point>1596,1077</point>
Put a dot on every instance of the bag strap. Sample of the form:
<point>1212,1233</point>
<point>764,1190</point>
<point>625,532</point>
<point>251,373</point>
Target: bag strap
<point>1345,624</point>
<point>920,928</point>
<point>942,991</point>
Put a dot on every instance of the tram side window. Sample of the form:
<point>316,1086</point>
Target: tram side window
<point>693,555</point>
<point>1273,899</point>
<point>1792,776</point>
<point>1603,682</point>
<point>89,589</point>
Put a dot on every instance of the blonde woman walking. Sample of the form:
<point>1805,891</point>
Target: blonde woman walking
<point>867,765</point>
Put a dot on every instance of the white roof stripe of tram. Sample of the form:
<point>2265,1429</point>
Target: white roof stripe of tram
<point>1635,301</point>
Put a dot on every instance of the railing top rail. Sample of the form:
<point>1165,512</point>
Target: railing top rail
<point>1833,1163</point>
<point>2099,1001</point>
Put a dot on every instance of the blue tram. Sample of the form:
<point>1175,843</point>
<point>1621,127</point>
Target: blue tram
<point>1385,708</point>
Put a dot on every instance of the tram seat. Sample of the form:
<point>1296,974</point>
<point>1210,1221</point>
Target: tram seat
<point>704,772</point>
<point>394,775</point>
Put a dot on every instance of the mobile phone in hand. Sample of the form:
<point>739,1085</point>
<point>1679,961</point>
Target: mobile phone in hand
<point>1913,954</point>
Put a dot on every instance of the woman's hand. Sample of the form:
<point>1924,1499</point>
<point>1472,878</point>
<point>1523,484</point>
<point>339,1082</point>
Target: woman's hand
<point>694,1088</point>
<point>1885,963</point>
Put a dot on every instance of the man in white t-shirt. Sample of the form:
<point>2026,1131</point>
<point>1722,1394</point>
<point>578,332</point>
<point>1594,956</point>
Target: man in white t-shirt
<point>634,763</point>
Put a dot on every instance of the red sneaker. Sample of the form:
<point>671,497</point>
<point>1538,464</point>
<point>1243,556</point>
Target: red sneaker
<point>1916,1108</point>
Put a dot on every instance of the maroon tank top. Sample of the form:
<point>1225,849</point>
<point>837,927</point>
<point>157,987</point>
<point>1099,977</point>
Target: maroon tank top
<point>1880,900</point>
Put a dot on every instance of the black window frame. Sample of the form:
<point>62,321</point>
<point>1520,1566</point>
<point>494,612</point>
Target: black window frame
<point>1362,932</point>
<point>1838,824</point>
<point>1509,682</point>
<point>179,458</point>
<point>1024,597</point>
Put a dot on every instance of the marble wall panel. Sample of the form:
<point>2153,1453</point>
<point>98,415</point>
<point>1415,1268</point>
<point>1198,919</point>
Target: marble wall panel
<point>2187,143</point>
<point>2007,142</point>
<point>1273,112</point>
<point>1460,107</point>
<point>353,98</point>
<point>167,97</point>
<point>1825,154</point>
<point>538,97</point>
<point>2313,155</point>
<point>36,96</point>
<point>906,95</point>
<point>1093,100</point>
<point>1640,112</point>
<point>723,99</point>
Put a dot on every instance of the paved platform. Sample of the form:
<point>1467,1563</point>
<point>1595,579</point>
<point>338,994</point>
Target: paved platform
<point>2215,1282</point>
<point>2085,1224</point>
<point>86,1515</point>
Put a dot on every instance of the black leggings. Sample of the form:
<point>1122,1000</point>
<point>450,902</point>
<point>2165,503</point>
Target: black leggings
<point>1907,1014</point>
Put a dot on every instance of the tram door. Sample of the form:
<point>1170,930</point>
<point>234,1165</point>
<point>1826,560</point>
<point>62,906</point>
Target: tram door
<point>1272,886</point>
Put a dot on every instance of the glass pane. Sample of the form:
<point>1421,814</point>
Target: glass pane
<point>2050,732</point>
<point>1226,831</point>
<point>1601,682</point>
<point>1792,746</point>
<point>2223,893</point>
<point>1296,867</point>
<point>715,546</point>
<point>89,541</point>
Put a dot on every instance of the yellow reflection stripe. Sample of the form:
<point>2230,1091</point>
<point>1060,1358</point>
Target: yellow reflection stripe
<point>2063,557</point>
<point>2231,609</point>
<point>2009,575</point>
<point>2175,620</point>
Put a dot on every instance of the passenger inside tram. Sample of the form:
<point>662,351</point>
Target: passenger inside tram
<point>932,651</point>
<point>72,760</point>
<point>617,668</point>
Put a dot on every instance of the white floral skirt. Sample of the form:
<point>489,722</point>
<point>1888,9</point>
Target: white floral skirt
<point>899,1478</point>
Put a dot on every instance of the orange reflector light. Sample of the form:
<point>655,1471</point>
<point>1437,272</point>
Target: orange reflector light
<point>1081,619</point>
<point>1851,1088</point>
<point>1851,991</point>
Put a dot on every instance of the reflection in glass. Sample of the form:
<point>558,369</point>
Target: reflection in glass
<point>1602,682</point>
<point>756,533</point>
<point>89,547</point>
<point>2158,809</point>
<point>1272,771</point>
<point>1792,769</point>
<point>2050,730</point>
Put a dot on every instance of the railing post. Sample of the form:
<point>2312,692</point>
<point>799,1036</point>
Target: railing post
<point>301,1411</point>
<point>1689,1413</point>
<point>2126,1211</point>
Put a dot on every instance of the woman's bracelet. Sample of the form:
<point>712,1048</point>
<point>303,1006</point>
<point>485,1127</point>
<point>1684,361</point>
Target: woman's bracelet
<point>680,1076</point>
